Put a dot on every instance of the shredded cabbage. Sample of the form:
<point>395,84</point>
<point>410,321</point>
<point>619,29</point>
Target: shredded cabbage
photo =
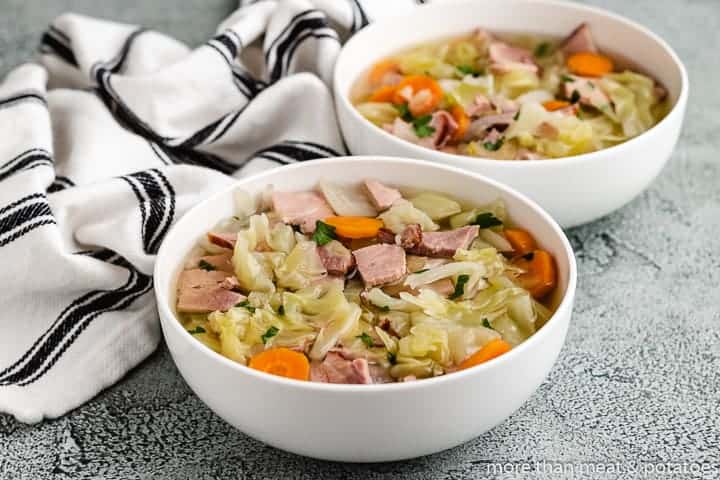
<point>379,113</point>
<point>302,267</point>
<point>435,205</point>
<point>403,213</point>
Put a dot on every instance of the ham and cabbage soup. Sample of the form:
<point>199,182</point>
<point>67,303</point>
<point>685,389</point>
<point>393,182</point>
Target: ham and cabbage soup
<point>362,284</point>
<point>520,99</point>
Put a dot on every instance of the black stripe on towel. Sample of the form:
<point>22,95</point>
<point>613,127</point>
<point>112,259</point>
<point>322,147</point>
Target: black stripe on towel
<point>156,199</point>
<point>23,216</point>
<point>73,320</point>
<point>57,42</point>
<point>22,97</point>
<point>27,160</point>
<point>360,19</point>
<point>60,183</point>
<point>291,151</point>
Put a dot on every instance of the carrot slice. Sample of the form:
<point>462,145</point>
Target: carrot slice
<point>282,362</point>
<point>552,105</point>
<point>494,348</point>
<point>521,240</point>
<point>383,94</point>
<point>355,227</point>
<point>589,64</point>
<point>378,71</point>
<point>418,83</point>
<point>463,122</point>
<point>540,276</point>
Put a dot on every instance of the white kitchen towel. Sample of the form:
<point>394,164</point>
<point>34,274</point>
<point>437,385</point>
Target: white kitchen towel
<point>108,140</point>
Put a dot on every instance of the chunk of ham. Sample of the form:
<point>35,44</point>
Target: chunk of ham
<point>480,125</point>
<point>580,40</point>
<point>337,259</point>
<point>201,291</point>
<point>493,136</point>
<point>505,58</point>
<point>381,196</point>
<point>481,104</point>
<point>547,130</point>
<point>411,236</point>
<point>385,236</point>
<point>589,90</point>
<point>445,244</point>
<point>222,262</point>
<point>445,127</point>
<point>380,263</point>
<point>335,368</point>
<point>225,240</point>
<point>301,208</point>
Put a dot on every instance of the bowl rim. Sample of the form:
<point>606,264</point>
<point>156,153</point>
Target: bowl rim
<point>168,318</point>
<point>342,99</point>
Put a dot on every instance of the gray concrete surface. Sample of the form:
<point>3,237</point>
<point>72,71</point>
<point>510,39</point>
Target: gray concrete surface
<point>637,382</point>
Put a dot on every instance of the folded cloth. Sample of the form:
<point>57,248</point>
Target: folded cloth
<point>109,140</point>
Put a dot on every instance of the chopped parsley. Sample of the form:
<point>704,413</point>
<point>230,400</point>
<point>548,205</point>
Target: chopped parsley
<point>566,78</point>
<point>246,305</point>
<point>392,358</point>
<point>422,127</point>
<point>494,146</point>
<point>486,324</point>
<point>281,310</point>
<point>196,330</point>
<point>460,286</point>
<point>517,115</point>
<point>422,271</point>
<point>324,233</point>
<point>366,339</point>
<point>487,220</point>
<point>542,49</point>
<point>269,333</point>
<point>384,308</point>
<point>575,97</point>
<point>404,111</point>
<point>468,70</point>
<point>205,265</point>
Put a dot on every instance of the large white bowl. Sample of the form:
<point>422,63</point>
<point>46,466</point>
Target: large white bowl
<point>364,423</point>
<point>574,190</point>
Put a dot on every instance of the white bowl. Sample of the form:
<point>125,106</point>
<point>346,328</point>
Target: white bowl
<point>365,423</point>
<point>574,190</point>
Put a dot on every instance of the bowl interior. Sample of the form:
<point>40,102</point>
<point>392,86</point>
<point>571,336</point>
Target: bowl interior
<point>470,188</point>
<point>618,36</point>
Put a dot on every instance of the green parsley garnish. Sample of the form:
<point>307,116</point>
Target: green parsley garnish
<point>196,330</point>
<point>205,265</point>
<point>384,308</point>
<point>404,111</point>
<point>459,286</point>
<point>517,115</point>
<point>422,127</point>
<point>566,78</point>
<point>324,233</point>
<point>366,339</point>
<point>269,333</point>
<point>486,324</point>
<point>542,49</point>
<point>486,220</point>
<point>392,358</point>
<point>245,304</point>
<point>575,97</point>
<point>494,146</point>
<point>468,70</point>
<point>281,310</point>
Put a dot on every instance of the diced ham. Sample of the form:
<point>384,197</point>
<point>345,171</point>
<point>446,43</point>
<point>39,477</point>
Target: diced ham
<point>201,291</point>
<point>230,283</point>
<point>443,287</point>
<point>445,127</point>
<point>381,196</point>
<point>480,105</point>
<point>222,262</point>
<point>337,369</point>
<point>660,92</point>
<point>380,263</point>
<point>505,58</point>
<point>225,240</point>
<point>478,126</point>
<point>580,40</point>
<point>445,244</point>
<point>301,208</point>
<point>337,259</point>
<point>411,236</point>
<point>590,92</point>
<point>385,236</point>
<point>493,136</point>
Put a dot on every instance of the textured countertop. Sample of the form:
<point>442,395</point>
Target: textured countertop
<point>636,383</point>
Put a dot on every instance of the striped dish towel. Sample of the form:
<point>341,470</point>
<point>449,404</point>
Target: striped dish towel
<point>108,140</point>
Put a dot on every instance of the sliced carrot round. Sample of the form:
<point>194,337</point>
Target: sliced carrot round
<point>520,240</point>
<point>282,362</point>
<point>380,69</point>
<point>418,83</point>
<point>540,276</point>
<point>552,105</point>
<point>355,227</point>
<point>494,348</point>
<point>383,94</point>
<point>463,122</point>
<point>589,64</point>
